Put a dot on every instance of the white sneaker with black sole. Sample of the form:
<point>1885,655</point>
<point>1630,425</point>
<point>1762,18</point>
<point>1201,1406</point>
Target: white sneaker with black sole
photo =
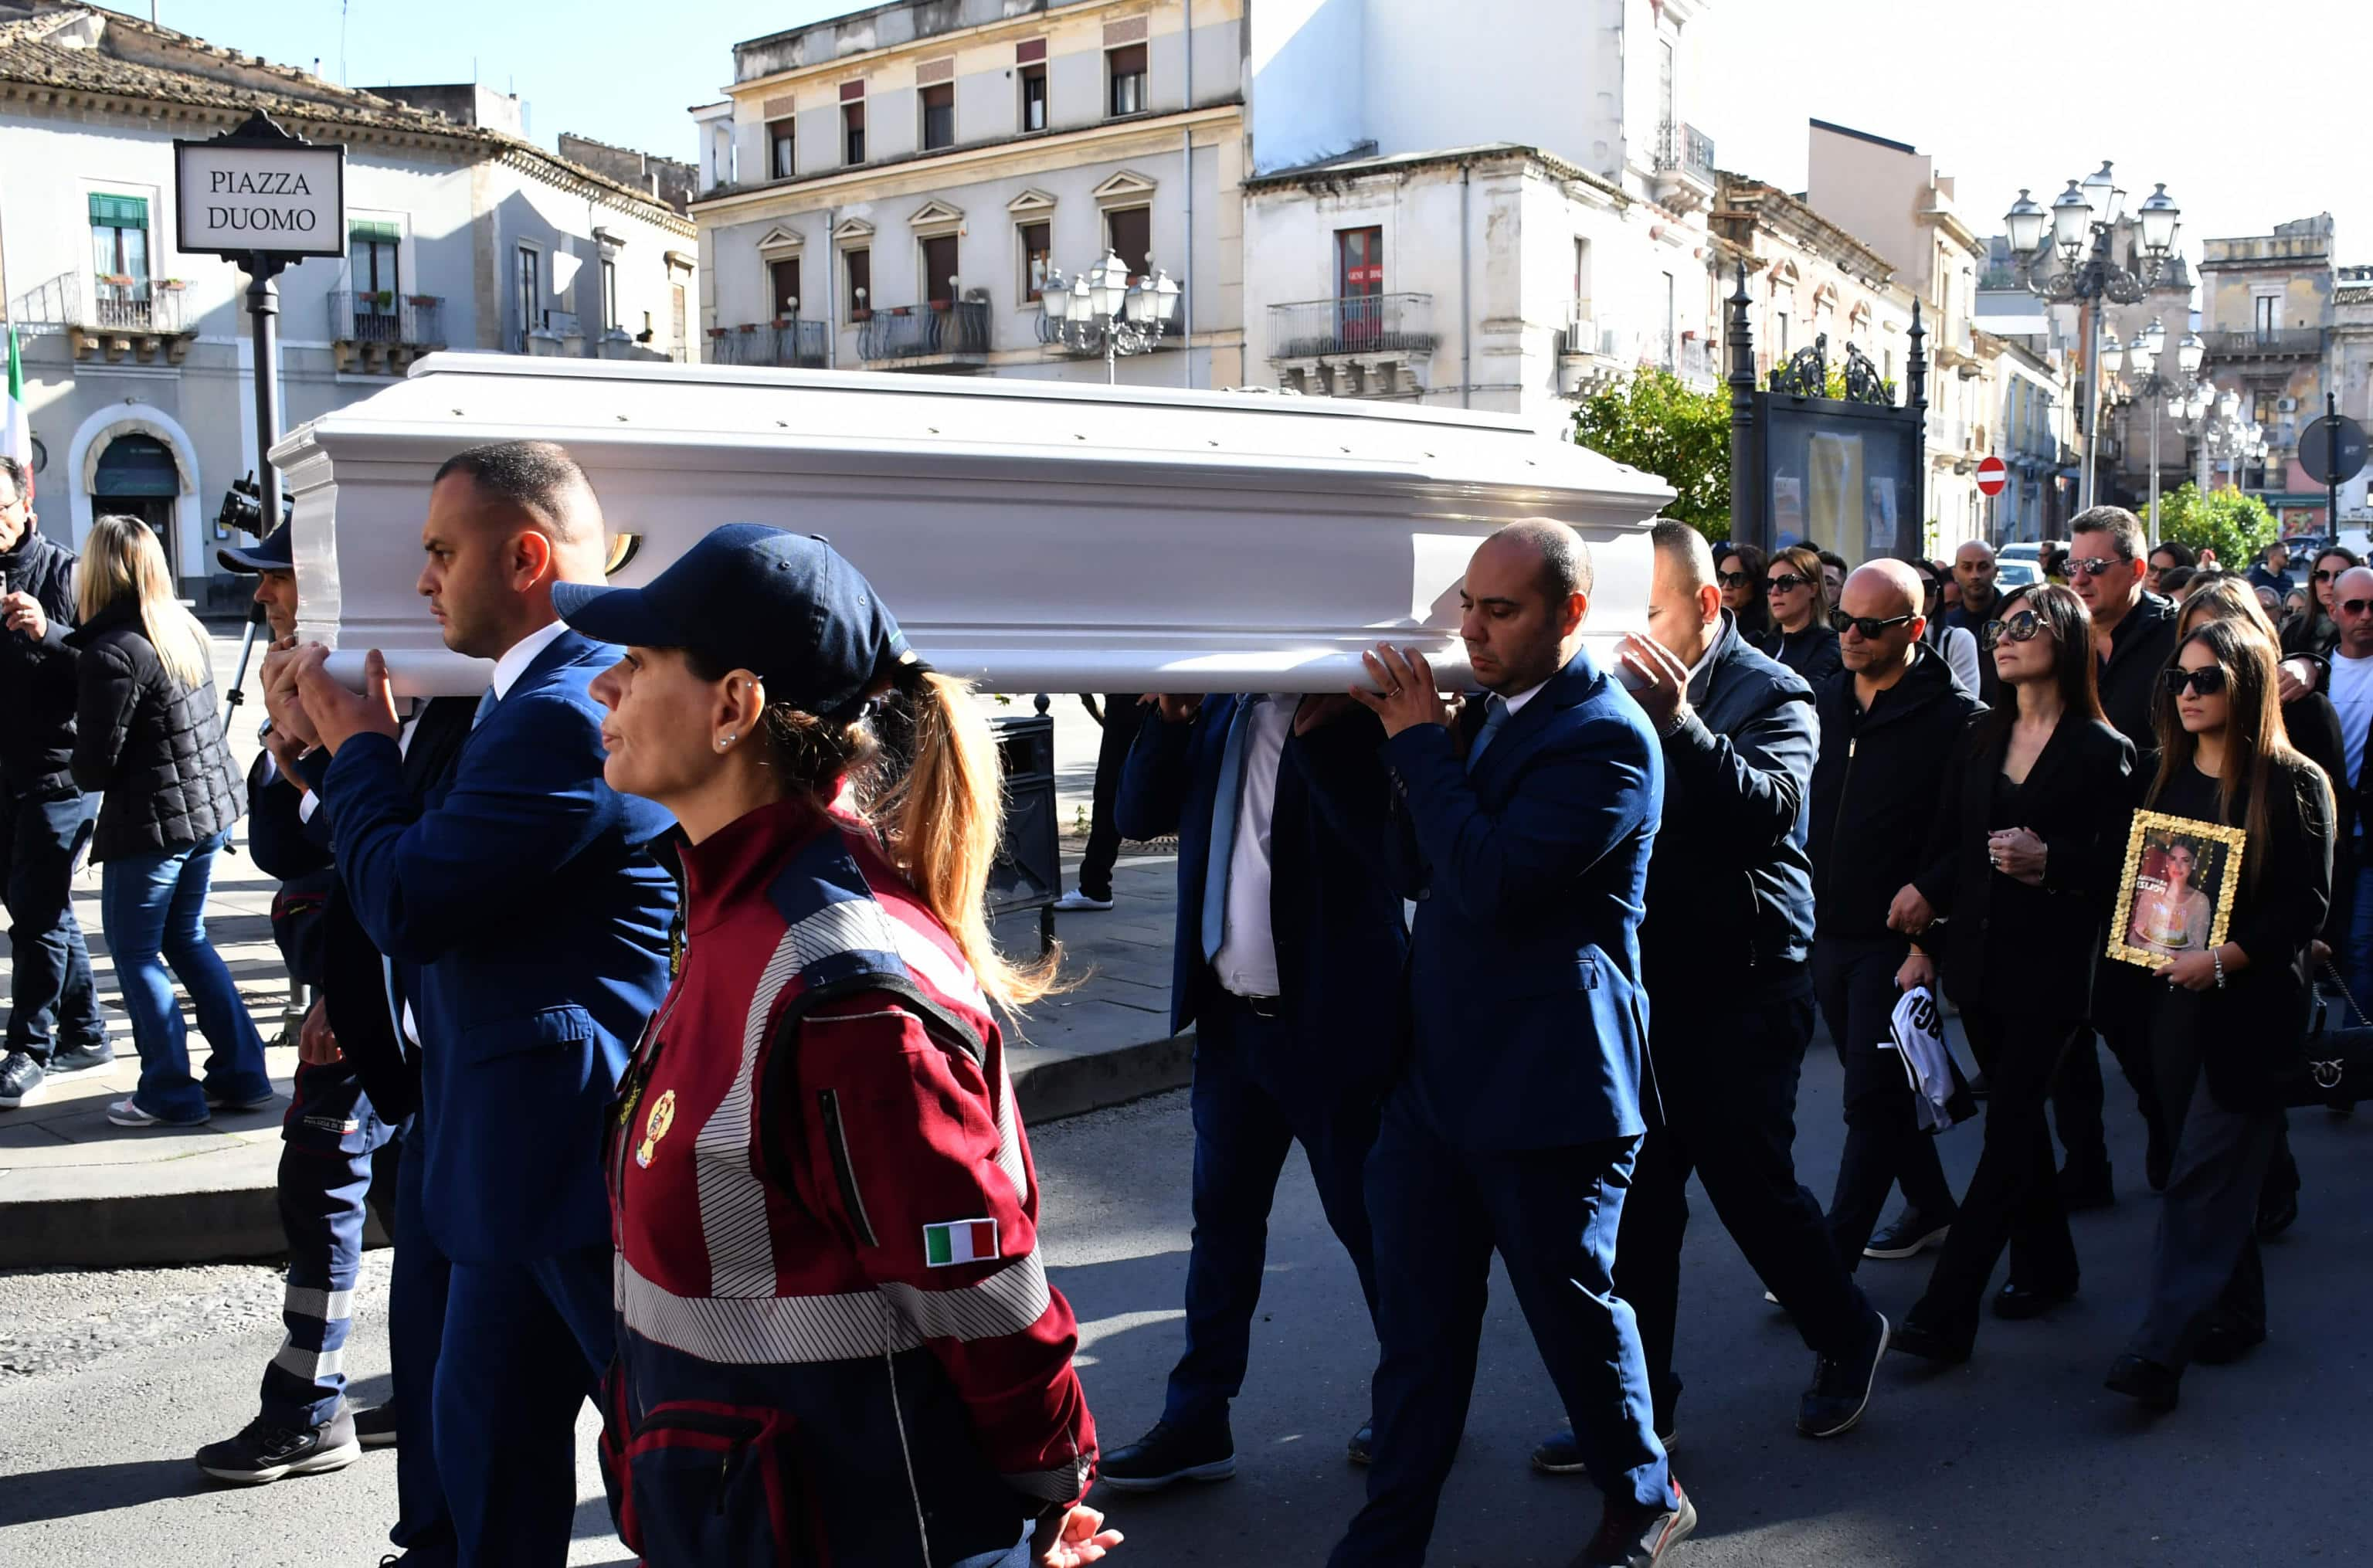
<point>1075,901</point>
<point>1907,1235</point>
<point>267,1451</point>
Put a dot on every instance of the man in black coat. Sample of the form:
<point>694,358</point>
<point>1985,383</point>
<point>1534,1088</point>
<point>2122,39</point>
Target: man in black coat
<point>2133,636</point>
<point>54,1027</point>
<point>1888,723</point>
<point>1724,949</point>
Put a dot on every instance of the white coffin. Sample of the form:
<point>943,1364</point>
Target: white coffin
<point>1032,536</point>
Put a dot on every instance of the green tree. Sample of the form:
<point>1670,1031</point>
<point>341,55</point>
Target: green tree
<point>1655,423</point>
<point>2234,523</point>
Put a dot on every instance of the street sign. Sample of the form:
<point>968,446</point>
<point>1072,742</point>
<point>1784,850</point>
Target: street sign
<point>1991,476</point>
<point>2331,450</point>
<point>260,192</point>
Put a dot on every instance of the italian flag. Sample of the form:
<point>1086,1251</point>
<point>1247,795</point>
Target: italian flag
<point>16,428</point>
<point>960,1241</point>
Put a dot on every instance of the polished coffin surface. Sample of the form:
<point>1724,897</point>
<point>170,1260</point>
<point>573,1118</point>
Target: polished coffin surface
<point>1029,535</point>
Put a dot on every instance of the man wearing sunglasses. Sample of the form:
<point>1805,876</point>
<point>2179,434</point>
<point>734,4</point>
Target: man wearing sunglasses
<point>2274,572</point>
<point>1889,724</point>
<point>2133,636</point>
<point>2351,694</point>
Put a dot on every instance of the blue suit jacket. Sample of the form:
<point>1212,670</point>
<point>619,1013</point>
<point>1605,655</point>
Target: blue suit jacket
<point>530,926</point>
<point>1529,1020</point>
<point>1335,915</point>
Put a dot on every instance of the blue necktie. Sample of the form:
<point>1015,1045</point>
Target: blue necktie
<point>486,705</point>
<point>1494,715</point>
<point>1224,830</point>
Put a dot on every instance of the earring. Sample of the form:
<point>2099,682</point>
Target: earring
<point>727,742</point>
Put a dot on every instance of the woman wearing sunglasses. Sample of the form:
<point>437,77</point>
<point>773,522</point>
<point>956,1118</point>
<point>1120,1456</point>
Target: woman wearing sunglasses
<point>2024,857</point>
<point>2229,1020</point>
<point>1739,569</point>
<point>1800,636</point>
<point>2316,632</point>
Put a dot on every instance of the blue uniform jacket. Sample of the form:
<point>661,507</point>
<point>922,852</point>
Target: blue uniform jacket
<point>1335,915</point>
<point>530,926</point>
<point>1529,1020</point>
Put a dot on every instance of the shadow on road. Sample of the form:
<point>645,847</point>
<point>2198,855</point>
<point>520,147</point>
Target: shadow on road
<point>72,1491</point>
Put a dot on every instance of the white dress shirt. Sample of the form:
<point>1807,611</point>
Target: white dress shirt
<point>1515,705</point>
<point>1246,962</point>
<point>514,663</point>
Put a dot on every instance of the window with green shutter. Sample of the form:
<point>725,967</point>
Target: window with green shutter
<point>119,246</point>
<point>119,212</point>
<point>374,228</point>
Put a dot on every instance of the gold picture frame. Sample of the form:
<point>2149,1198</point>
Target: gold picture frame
<point>2175,889</point>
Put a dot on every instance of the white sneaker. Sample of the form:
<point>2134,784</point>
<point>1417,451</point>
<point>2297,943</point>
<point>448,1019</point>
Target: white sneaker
<point>124,1113</point>
<point>1075,901</point>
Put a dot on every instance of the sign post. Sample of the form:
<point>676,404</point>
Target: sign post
<point>2332,449</point>
<point>263,198</point>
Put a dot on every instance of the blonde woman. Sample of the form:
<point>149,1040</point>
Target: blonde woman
<point>148,741</point>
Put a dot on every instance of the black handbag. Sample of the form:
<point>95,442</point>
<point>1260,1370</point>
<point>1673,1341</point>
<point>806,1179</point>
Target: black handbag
<point>2338,1069</point>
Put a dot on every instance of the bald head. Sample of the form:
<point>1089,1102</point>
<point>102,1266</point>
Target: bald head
<point>1882,588</point>
<point>1563,558</point>
<point>2354,586</point>
<point>1684,600</point>
<point>1522,604</point>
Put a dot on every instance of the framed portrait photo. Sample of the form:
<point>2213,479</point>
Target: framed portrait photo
<point>2175,894</point>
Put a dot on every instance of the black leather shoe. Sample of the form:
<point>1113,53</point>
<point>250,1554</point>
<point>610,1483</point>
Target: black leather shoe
<point>2145,1382</point>
<point>2017,1302</point>
<point>2226,1342</point>
<point>1834,1405</point>
<point>1362,1446</point>
<point>1914,1338</point>
<point>1909,1235</point>
<point>2081,1188</point>
<point>1167,1453</point>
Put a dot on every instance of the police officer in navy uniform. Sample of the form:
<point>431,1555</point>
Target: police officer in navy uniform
<point>330,1138</point>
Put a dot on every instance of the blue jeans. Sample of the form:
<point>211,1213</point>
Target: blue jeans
<point>51,1000</point>
<point>2355,966</point>
<point>153,910</point>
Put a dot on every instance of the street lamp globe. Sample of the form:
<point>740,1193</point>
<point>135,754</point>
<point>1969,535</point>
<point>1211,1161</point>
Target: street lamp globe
<point>1139,305</point>
<point>1108,285</point>
<point>2190,353</point>
<point>2025,224</point>
<point>2159,214</point>
<point>2114,355</point>
<point>1055,296</point>
<point>2101,191</point>
<point>1165,298</point>
<point>2153,340</point>
<point>2072,219</point>
<point>1083,305</point>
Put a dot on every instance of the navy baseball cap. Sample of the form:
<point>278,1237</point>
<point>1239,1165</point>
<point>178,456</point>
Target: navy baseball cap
<point>785,606</point>
<point>270,554</point>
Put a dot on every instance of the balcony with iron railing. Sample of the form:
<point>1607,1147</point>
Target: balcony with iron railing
<point>945,332</point>
<point>1400,325</point>
<point>114,316</point>
<point>2266,343</point>
<point>1684,160</point>
<point>383,331</point>
<point>787,343</point>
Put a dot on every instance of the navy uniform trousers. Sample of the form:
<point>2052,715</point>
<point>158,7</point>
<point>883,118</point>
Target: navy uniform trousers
<point>1254,1097</point>
<point>331,1142</point>
<point>1439,1212</point>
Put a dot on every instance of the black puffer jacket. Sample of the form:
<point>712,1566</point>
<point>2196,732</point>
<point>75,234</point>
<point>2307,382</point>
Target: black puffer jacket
<point>37,678</point>
<point>152,744</point>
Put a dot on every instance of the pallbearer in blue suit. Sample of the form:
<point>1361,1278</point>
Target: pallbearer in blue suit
<point>1515,1120</point>
<point>529,925</point>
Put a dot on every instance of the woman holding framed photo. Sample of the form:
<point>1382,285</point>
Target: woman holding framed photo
<point>2026,848</point>
<point>2232,1017</point>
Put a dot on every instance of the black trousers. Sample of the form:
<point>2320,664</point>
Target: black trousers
<point>1853,978</point>
<point>2121,1015</point>
<point>1122,716</point>
<point>1727,1072</point>
<point>2013,1196</point>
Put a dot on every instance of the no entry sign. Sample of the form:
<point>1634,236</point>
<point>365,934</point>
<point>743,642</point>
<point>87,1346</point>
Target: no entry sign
<point>1993,477</point>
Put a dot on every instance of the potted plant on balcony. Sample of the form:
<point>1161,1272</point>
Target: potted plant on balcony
<point>116,279</point>
<point>782,323</point>
<point>749,327</point>
<point>172,285</point>
<point>385,299</point>
<point>421,300</point>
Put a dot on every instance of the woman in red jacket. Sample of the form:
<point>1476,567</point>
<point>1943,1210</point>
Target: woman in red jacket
<point>837,1341</point>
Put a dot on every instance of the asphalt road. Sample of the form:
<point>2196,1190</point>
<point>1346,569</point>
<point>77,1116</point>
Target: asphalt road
<point>109,1381</point>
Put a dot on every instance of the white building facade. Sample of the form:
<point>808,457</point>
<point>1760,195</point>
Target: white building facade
<point>139,371</point>
<point>895,189</point>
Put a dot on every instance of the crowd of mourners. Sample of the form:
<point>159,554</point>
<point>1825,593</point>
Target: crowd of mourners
<point>720,1135</point>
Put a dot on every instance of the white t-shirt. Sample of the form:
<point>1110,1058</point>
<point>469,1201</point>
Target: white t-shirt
<point>2352,693</point>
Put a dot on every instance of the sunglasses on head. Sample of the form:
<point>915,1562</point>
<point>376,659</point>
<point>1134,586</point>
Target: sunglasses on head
<point>1869,625</point>
<point>2094,566</point>
<point>2020,627</point>
<point>2208,680</point>
<point>1787,582</point>
<point>1735,580</point>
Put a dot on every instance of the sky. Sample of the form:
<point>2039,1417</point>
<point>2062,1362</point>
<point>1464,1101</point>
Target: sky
<point>2250,111</point>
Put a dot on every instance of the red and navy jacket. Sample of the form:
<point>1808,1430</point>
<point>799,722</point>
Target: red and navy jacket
<point>838,1343</point>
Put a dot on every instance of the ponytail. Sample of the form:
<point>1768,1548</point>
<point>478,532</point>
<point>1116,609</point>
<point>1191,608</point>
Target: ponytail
<point>943,819</point>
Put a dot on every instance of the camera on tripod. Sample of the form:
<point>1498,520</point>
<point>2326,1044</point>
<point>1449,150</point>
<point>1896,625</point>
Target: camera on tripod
<point>242,507</point>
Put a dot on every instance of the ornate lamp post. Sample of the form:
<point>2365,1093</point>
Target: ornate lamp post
<point>2077,265</point>
<point>2144,362</point>
<point>1100,309</point>
<point>2218,430</point>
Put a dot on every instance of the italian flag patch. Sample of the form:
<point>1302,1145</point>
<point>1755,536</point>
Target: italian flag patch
<point>959,1241</point>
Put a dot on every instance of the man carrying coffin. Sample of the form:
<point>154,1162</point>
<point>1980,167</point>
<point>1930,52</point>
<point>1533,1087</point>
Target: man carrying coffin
<point>1286,928</point>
